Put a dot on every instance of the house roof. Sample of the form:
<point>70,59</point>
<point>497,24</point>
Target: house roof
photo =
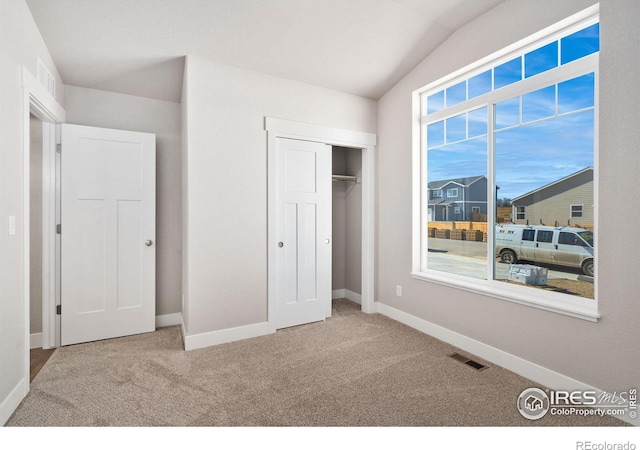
<point>464,182</point>
<point>547,186</point>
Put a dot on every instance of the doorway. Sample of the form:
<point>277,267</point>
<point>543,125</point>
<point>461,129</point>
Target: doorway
<point>277,129</point>
<point>41,113</point>
<point>134,245</point>
<point>37,355</point>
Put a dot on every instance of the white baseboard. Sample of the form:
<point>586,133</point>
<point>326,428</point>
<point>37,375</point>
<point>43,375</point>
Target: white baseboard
<point>35,340</point>
<point>12,401</point>
<point>520,366</point>
<point>195,341</point>
<point>168,320</point>
<point>350,295</point>
<point>346,293</point>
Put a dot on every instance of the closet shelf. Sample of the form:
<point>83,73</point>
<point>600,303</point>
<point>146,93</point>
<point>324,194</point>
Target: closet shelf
<point>346,178</point>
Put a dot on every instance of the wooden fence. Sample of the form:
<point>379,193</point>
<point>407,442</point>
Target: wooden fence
<point>462,231</point>
<point>480,226</point>
<point>447,230</point>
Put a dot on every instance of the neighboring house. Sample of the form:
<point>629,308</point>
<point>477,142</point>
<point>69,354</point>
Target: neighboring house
<point>457,199</point>
<point>565,201</point>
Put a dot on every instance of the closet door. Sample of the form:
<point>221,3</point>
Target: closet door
<point>303,230</point>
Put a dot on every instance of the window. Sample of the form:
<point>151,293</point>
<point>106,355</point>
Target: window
<point>518,124</point>
<point>475,209</point>
<point>568,238</point>
<point>545,236</point>
<point>528,235</point>
<point>576,211</point>
<point>456,210</point>
<point>437,194</point>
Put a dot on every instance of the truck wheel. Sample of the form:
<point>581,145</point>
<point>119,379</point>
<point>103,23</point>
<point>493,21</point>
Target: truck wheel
<point>508,257</point>
<point>587,267</point>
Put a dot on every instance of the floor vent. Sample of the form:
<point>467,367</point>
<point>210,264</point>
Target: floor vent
<point>469,362</point>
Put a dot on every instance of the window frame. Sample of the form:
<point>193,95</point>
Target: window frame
<point>438,192</point>
<point>523,212</point>
<point>573,306</point>
<point>581,216</point>
<point>452,193</point>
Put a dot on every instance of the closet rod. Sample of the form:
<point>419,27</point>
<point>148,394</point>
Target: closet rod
<point>346,178</point>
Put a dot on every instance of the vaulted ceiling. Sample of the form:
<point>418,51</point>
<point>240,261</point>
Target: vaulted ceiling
<point>136,47</point>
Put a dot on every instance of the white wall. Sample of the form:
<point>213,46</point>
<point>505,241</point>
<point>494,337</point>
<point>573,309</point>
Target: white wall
<point>20,44</point>
<point>600,354</point>
<point>127,112</point>
<point>227,182</point>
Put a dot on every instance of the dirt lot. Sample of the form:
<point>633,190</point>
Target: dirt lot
<point>573,287</point>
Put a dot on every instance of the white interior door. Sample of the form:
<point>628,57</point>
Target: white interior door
<point>303,230</point>
<point>108,233</point>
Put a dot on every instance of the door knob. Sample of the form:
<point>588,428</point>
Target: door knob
<point>149,243</point>
<point>280,244</point>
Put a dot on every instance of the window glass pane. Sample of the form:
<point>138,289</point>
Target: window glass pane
<point>541,60</point>
<point>539,104</point>
<point>545,236</point>
<point>507,73</point>
<point>576,211</point>
<point>480,84</point>
<point>579,44</point>
<point>547,166</point>
<point>578,93</point>
<point>460,171</point>
<point>478,122</point>
<point>507,113</point>
<point>457,128</point>
<point>435,134</point>
<point>457,93</point>
<point>568,238</point>
<point>435,102</point>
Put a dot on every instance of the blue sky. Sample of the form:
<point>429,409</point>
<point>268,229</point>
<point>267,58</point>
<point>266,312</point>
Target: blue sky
<point>540,137</point>
<point>527,155</point>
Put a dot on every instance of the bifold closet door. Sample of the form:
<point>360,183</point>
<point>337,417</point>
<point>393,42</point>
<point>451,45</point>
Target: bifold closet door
<point>303,230</point>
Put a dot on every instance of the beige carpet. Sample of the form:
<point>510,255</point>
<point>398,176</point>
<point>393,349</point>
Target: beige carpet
<point>352,370</point>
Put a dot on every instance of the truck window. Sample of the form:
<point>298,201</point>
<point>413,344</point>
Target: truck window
<point>587,236</point>
<point>528,235</point>
<point>545,236</point>
<point>568,239</point>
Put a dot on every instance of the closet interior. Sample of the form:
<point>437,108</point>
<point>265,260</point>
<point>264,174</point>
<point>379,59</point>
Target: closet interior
<point>347,224</point>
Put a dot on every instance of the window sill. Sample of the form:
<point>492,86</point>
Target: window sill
<point>549,301</point>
